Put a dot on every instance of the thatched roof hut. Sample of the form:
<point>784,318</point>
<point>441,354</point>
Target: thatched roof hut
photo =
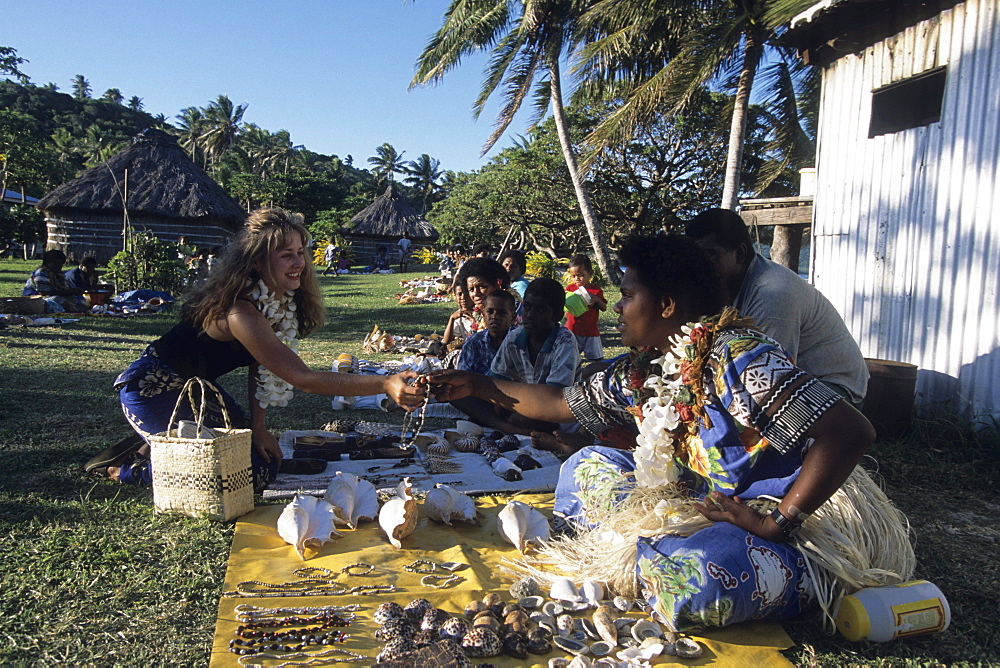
<point>383,223</point>
<point>167,194</point>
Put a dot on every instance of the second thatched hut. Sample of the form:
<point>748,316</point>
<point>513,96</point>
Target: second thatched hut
<point>163,191</point>
<point>383,223</point>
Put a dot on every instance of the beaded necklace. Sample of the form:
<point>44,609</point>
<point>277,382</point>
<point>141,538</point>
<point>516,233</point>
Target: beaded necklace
<point>254,637</point>
<point>280,312</point>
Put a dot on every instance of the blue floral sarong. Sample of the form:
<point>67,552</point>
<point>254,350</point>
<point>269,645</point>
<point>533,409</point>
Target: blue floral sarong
<point>760,407</point>
<point>149,390</point>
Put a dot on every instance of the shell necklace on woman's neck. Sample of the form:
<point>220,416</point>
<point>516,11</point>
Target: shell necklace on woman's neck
<point>280,312</point>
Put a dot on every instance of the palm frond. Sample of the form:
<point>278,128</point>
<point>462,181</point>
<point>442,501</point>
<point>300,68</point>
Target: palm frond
<point>469,27</point>
<point>517,85</point>
<point>502,59</point>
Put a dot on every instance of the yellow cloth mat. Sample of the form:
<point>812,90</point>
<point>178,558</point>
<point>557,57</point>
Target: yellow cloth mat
<point>258,553</point>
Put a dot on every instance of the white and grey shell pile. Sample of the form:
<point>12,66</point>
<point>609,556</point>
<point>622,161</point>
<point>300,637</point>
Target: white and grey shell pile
<point>575,620</point>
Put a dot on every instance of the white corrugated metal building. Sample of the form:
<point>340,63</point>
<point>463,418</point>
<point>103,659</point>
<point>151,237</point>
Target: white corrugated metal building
<point>906,230</point>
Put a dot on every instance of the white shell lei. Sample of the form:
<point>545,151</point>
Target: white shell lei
<point>280,312</point>
<point>654,456</point>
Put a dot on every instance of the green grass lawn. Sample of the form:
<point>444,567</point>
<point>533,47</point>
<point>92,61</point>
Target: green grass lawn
<point>91,575</point>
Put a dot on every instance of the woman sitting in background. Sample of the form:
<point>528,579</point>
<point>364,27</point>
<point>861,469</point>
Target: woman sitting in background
<point>249,313</point>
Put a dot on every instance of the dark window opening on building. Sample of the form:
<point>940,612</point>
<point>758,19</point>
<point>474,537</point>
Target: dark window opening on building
<point>909,103</point>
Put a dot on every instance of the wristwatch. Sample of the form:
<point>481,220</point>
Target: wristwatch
<point>788,527</point>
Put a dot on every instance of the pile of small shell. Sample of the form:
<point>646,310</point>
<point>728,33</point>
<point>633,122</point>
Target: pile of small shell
<point>532,625</point>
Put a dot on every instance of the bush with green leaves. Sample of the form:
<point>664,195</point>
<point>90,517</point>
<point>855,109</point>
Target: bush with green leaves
<point>148,263</point>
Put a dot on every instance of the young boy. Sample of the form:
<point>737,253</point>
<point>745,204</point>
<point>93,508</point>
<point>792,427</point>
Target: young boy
<point>480,348</point>
<point>584,326</point>
<point>541,350</point>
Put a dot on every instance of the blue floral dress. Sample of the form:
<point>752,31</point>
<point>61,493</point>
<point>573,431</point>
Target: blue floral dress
<point>760,406</point>
<point>150,387</point>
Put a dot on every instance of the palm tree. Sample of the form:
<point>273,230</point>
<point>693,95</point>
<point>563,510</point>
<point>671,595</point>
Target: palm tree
<point>65,144</point>
<point>526,40</point>
<point>287,153</point>
<point>423,174</point>
<point>387,163</point>
<point>697,42</point>
<point>81,87</point>
<point>96,147</point>
<point>10,62</point>
<point>192,125</point>
<point>113,95</point>
<point>135,103</point>
<point>223,119</point>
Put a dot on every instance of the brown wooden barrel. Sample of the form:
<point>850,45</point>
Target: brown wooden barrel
<point>889,402</point>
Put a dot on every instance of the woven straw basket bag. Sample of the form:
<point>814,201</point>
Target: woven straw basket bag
<point>202,476</point>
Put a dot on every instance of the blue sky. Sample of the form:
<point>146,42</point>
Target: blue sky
<point>333,73</point>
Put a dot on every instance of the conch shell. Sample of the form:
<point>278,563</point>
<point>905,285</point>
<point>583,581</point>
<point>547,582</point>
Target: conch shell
<point>307,522</point>
<point>444,504</point>
<point>522,526</point>
<point>353,499</point>
<point>398,517</point>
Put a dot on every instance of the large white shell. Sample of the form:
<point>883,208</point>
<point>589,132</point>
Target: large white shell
<point>468,428</point>
<point>444,504</point>
<point>398,517</point>
<point>353,499</point>
<point>522,526</point>
<point>307,522</point>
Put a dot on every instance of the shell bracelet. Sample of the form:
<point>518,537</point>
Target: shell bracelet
<point>314,581</point>
<point>324,658</point>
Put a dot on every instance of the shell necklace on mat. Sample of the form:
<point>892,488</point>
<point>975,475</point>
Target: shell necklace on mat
<point>408,418</point>
<point>324,658</point>
<point>280,312</point>
<point>313,581</point>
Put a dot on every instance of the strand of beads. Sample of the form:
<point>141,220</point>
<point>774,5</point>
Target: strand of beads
<point>421,566</point>
<point>322,658</point>
<point>252,613</point>
<point>257,637</point>
<point>408,420</point>
<point>249,647</point>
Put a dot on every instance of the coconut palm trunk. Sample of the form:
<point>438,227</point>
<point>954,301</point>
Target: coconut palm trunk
<point>753,50</point>
<point>608,267</point>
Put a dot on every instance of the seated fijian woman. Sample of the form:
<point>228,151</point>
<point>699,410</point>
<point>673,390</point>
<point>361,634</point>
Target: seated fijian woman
<point>738,450</point>
<point>249,313</point>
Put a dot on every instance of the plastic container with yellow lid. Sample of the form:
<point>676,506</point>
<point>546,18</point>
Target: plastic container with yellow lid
<point>881,614</point>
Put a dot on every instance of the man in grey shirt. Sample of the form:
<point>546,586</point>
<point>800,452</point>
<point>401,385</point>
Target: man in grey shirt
<point>785,307</point>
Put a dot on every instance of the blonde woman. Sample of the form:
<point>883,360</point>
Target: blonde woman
<point>248,314</point>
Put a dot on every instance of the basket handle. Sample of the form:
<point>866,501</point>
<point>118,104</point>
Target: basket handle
<point>199,410</point>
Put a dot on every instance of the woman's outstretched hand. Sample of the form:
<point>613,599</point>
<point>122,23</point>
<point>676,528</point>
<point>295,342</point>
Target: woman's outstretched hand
<point>721,508</point>
<point>403,392</point>
<point>449,385</point>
